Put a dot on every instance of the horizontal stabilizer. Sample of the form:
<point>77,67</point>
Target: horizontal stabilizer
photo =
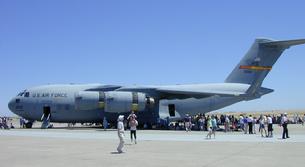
<point>286,43</point>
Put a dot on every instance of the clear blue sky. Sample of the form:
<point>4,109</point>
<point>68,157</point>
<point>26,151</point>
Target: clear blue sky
<point>147,42</point>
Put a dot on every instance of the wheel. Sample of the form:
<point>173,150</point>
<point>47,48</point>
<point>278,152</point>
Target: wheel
<point>28,125</point>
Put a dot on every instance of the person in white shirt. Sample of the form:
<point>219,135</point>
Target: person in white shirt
<point>270,128</point>
<point>241,122</point>
<point>250,124</point>
<point>121,133</point>
<point>284,123</point>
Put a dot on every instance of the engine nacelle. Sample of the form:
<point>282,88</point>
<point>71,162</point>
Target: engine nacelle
<point>113,101</point>
<point>86,100</point>
<point>120,102</point>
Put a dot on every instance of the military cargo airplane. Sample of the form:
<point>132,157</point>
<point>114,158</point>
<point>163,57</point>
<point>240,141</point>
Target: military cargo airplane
<point>74,103</point>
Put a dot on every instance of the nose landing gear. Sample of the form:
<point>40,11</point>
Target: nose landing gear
<point>29,124</point>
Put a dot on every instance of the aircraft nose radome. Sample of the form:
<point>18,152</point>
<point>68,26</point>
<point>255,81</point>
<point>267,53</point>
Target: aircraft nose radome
<point>11,104</point>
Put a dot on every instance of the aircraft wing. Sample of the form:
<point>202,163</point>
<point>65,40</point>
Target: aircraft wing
<point>181,93</point>
<point>104,88</point>
<point>192,91</point>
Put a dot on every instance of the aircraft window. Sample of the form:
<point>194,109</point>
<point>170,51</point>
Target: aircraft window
<point>21,93</point>
<point>17,100</point>
<point>27,94</point>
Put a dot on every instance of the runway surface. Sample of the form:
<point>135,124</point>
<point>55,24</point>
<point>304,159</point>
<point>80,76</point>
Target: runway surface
<point>150,135</point>
<point>96,147</point>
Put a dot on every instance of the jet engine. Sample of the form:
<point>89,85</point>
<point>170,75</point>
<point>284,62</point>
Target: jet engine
<point>112,101</point>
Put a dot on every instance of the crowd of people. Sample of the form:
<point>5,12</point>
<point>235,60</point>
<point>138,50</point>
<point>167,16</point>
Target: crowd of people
<point>6,123</point>
<point>248,124</point>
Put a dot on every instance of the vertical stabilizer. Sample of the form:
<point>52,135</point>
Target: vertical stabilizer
<point>259,60</point>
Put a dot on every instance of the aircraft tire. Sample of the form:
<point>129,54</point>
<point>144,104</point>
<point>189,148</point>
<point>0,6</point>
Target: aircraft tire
<point>29,125</point>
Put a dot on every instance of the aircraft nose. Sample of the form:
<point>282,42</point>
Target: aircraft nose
<point>11,104</point>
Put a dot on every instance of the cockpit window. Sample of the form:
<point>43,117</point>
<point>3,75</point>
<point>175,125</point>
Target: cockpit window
<point>27,94</point>
<point>22,93</point>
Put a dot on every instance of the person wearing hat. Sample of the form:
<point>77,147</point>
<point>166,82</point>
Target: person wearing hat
<point>284,123</point>
<point>120,133</point>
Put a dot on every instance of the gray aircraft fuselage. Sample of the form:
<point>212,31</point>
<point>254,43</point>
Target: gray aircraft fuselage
<point>62,102</point>
<point>73,103</point>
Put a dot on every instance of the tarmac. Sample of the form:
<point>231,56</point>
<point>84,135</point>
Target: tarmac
<point>80,147</point>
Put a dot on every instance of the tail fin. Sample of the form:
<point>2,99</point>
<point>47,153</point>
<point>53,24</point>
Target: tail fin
<point>258,61</point>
